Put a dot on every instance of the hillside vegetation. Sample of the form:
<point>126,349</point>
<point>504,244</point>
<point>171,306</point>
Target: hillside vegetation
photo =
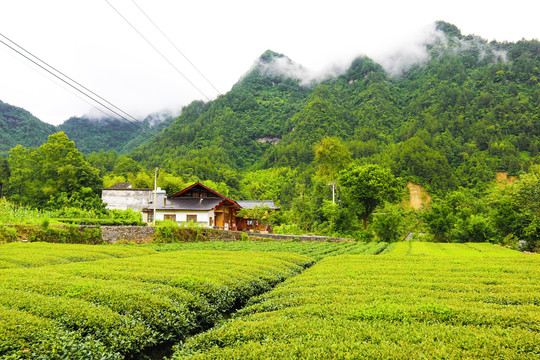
<point>470,111</point>
<point>19,127</point>
<point>449,123</point>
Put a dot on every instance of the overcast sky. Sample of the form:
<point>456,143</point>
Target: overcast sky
<point>89,41</point>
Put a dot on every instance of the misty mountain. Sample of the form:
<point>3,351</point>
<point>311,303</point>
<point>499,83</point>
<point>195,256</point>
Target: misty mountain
<point>463,110</point>
<point>18,126</point>
<point>92,135</point>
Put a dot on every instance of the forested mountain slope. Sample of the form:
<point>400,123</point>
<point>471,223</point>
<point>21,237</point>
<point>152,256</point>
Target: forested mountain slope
<point>471,109</point>
<point>92,135</point>
<point>18,126</point>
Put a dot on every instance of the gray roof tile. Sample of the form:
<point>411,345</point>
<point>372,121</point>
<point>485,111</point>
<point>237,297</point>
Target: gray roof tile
<point>195,204</point>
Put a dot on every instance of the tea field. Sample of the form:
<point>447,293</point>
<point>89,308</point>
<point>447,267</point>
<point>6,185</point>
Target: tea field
<point>422,300</point>
<point>314,249</point>
<point>304,300</point>
<point>120,308</point>
<point>18,254</point>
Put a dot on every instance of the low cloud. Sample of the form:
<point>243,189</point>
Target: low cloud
<point>284,67</point>
<point>415,50</point>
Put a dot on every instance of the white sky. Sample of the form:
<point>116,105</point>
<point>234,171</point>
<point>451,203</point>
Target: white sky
<point>90,42</point>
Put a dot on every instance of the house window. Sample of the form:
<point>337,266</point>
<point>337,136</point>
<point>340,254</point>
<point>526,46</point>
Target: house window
<point>171,217</point>
<point>191,218</point>
<point>210,222</point>
<point>150,217</point>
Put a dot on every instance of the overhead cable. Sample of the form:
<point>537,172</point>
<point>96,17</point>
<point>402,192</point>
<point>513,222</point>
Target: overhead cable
<point>176,47</point>
<point>157,50</point>
<point>50,78</point>
<point>47,68</point>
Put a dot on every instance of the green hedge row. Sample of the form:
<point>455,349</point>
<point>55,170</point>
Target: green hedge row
<point>445,306</point>
<point>104,222</point>
<point>124,308</point>
<point>66,235</point>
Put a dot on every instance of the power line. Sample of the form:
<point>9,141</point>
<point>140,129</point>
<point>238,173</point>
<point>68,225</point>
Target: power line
<point>63,87</point>
<point>137,123</point>
<point>77,83</point>
<point>157,50</point>
<point>174,45</point>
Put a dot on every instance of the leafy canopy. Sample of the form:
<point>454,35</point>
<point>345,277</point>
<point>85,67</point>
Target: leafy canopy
<point>364,187</point>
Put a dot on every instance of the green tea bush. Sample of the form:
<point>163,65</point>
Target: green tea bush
<point>314,249</point>
<point>19,254</point>
<point>394,306</point>
<point>118,307</point>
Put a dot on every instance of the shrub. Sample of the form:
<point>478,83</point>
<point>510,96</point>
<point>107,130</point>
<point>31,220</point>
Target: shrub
<point>7,234</point>
<point>104,222</point>
<point>289,229</point>
<point>66,235</point>
<point>364,235</point>
<point>475,228</point>
<point>169,232</point>
<point>389,225</point>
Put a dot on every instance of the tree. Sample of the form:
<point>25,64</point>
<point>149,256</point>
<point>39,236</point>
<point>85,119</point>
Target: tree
<point>364,187</point>
<point>4,176</point>
<point>52,173</point>
<point>332,156</point>
<point>262,214</point>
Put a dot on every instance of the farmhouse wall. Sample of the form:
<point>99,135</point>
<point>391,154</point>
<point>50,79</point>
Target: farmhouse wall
<point>122,199</point>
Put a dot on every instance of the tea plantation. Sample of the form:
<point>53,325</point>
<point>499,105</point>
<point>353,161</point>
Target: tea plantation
<point>422,300</point>
<point>269,300</point>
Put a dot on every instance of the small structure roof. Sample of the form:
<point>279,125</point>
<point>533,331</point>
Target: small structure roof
<point>121,185</point>
<point>250,204</point>
<point>199,185</point>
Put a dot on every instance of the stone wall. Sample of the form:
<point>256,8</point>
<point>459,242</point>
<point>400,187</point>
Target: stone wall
<point>136,234</point>
<point>145,234</point>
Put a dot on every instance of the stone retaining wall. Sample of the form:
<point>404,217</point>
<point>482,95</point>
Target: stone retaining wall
<point>145,234</point>
<point>136,234</point>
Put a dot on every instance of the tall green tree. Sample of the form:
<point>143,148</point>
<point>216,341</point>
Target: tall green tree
<point>5,173</point>
<point>365,187</point>
<point>332,156</point>
<point>56,170</point>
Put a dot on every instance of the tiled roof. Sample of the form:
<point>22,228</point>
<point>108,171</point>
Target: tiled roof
<point>195,204</point>
<point>250,204</point>
<point>121,185</point>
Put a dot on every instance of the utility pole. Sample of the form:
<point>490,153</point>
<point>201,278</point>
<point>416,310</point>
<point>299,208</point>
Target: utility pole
<point>333,184</point>
<point>155,197</point>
